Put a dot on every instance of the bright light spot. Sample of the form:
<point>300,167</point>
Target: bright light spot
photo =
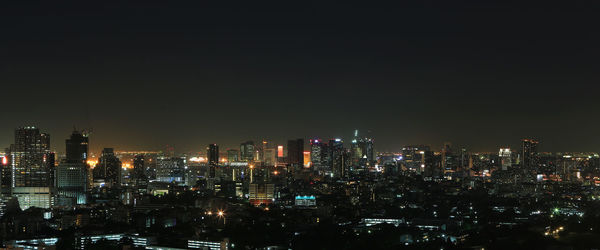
<point>92,163</point>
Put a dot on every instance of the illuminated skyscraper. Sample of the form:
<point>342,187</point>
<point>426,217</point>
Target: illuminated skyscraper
<point>170,169</point>
<point>233,155</point>
<point>247,151</point>
<point>30,155</point>
<point>279,151</point>
<point>212,153</point>
<point>261,193</point>
<point>529,152</point>
<point>362,152</point>
<point>270,157</point>
<point>139,170</point>
<point>5,174</point>
<point>316,157</point>
<point>31,167</point>
<point>307,162</point>
<point>337,156</point>
<point>505,158</point>
<point>77,147</point>
<point>448,159</point>
<point>72,173</point>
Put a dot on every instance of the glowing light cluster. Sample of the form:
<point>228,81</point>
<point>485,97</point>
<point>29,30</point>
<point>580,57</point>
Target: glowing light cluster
<point>92,163</point>
<point>198,159</point>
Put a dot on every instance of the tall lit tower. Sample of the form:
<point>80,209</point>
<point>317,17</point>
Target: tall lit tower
<point>316,156</point>
<point>247,151</point>
<point>529,152</point>
<point>30,156</point>
<point>31,166</point>
<point>505,158</point>
<point>362,152</point>
<point>336,151</point>
<point>77,147</point>
<point>212,153</point>
<point>71,179</point>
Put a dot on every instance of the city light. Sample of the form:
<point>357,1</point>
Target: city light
<point>92,163</point>
<point>197,159</point>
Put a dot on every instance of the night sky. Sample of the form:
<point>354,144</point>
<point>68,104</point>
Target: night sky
<point>150,73</point>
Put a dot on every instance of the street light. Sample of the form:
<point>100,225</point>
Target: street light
<point>221,214</point>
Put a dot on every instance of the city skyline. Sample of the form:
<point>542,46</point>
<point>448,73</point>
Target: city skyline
<point>201,147</point>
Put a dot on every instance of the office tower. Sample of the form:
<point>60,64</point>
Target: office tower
<point>306,156</point>
<point>212,153</point>
<point>170,169</point>
<point>77,147</point>
<point>108,169</point>
<point>71,175</point>
<point>259,151</point>
<point>463,159</point>
<point>505,158</point>
<point>295,152</point>
<point>270,157</point>
<point>316,157</point>
<point>31,166</point>
<point>261,193</point>
<point>139,170</point>
<point>30,155</point>
<point>247,151</point>
<point>448,160</point>
<point>336,151</point>
<point>5,175</point>
<point>362,151</point>
<point>71,183</point>
<point>232,155</point>
<point>415,157</point>
<point>529,152</point>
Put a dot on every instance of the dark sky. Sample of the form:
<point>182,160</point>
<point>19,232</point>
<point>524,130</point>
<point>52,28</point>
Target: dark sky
<point>145,74</point>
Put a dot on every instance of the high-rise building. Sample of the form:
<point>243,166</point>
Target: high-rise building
<point>316,154</point>
<point>280,151</point>
<point>362,152</point>
<point>270,157</point>
<point>139,170</point>
<point>336,156</point>
<point>529,152</point>
<point>416,157</point>
<point>295,152</point>
<point>505,158</point>
<point>212,153</point>
<point>261,193</point>
<point>233,155</point>
<point>448,159</point>
<point>108,169</point>
<point>77,147</point>
<point>247,151</point>
<point>31,166</point>
<point>71,179</point>
<point>306,156</point>
<point>71,183</point>
<point>170,169</point>
<point>31,158</point>
<point>5,175</point>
